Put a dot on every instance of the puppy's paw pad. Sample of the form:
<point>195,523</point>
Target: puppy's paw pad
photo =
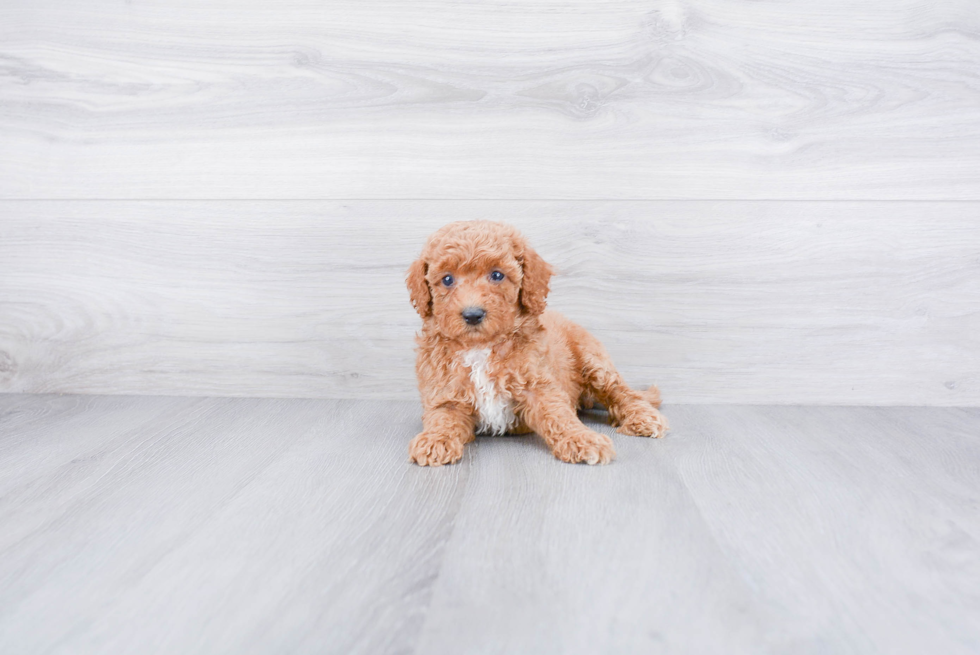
<point>644,422</point>
<point>590,448</point>
<point>428,449</point>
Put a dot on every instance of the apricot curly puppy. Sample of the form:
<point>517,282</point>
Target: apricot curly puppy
<point>491,359</point>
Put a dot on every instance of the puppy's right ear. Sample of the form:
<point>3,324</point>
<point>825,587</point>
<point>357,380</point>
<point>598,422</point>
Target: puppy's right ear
<point>418,288</point>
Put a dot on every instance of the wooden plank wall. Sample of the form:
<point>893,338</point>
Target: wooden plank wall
<point>754,202</point>
<point>777,302</point>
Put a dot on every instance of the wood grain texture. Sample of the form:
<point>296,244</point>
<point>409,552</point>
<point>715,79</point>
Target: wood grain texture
<point>547,558</point>
<point>702,99</point>
<point>749,302</point>
<point>747,529</point>
<point>203,525</point>
<point>231,526</point>
<point>866,516</point>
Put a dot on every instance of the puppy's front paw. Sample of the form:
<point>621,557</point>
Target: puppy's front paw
<point>428,449</point>
<point>644,421</point>
<point>589,447</point>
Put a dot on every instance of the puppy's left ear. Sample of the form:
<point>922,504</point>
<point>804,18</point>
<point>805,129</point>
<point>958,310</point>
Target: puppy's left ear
<point>537,277</point>
<point>418,288</point>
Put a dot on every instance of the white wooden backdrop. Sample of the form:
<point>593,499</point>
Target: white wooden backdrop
<point>769,302</point>
<point>763,202</point>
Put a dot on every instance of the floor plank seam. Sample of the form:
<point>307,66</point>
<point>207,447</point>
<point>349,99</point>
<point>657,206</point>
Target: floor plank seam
<point>461,496</point>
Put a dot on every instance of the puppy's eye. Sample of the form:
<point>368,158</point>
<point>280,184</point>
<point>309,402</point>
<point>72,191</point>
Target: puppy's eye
<point>448,280</point>
<point>496,276</point>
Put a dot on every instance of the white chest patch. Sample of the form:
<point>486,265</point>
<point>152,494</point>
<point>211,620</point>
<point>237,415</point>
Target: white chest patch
<point>496,409</point>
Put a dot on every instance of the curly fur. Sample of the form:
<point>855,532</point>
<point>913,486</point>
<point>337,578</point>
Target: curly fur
<point>522,368</point>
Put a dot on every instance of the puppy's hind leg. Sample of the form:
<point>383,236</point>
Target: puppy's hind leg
<point>549,411</point>
<point>634,412</point>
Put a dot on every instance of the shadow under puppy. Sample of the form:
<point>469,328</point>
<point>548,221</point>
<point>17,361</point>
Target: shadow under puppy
<point>491,359</point>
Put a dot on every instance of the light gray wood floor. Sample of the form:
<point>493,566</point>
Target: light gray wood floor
<point>203,525</point>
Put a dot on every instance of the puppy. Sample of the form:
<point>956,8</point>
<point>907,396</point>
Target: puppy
<point>492,360</point>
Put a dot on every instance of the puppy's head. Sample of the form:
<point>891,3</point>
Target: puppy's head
<point>476,279</point>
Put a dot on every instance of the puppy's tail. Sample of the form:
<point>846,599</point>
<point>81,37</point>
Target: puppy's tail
<point>652,395</point>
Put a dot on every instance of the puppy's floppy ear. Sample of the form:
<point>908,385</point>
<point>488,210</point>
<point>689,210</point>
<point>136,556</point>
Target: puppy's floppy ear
<point>418,288</point>
<point>537,276</point>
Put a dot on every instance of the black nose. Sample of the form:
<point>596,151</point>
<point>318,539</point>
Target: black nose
<point>473,315</point>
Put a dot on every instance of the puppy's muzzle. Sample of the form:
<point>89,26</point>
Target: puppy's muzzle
<point>473,315</point>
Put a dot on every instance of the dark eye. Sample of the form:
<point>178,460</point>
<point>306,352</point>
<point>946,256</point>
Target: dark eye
<point>448,280</point>
<point>496,276</point>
